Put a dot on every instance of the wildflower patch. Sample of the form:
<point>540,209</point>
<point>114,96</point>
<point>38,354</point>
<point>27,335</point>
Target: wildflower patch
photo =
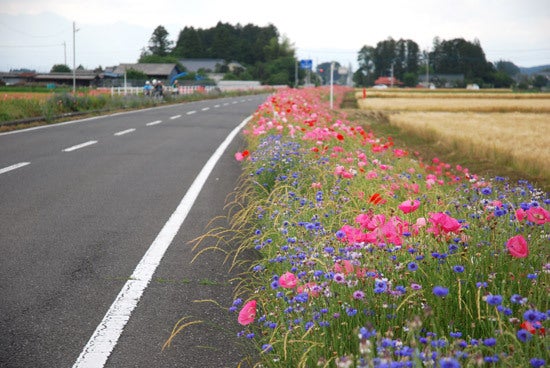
<point>370,258</point>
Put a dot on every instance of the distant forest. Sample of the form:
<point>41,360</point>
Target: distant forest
<point>265,55</point>
<point>271,59</point>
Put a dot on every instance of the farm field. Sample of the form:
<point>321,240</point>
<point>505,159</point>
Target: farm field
<point>509,132</point>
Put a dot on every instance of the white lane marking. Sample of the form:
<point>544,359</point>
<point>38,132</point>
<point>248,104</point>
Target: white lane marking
<point>235,102</point>
<point>125,131</point>
<point>78,146</point>
<point>13,167</point>
<point>191,112</point>
<point>154,123</point>
<point>175,117</point>
<point>205,108</point>
<point>226,104</point>
<point>106,335</point>
<point>216,106</point>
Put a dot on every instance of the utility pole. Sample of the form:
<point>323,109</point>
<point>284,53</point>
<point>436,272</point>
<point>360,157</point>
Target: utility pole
<point>74,58</point>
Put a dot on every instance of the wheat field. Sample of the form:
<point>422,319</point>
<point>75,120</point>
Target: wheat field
<point>510,131</point>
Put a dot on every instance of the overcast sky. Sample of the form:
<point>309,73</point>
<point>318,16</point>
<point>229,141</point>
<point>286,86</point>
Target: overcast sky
<point>36,34</point>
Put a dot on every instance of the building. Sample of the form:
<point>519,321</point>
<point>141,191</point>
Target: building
<point>388,81</point>
<point>163,72</point>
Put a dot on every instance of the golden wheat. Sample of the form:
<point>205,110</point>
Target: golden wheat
<point>458,104</point>
<point>517,139</point>
<point>447,93</point>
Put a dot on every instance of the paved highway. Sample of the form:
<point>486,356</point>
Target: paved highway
<point>81,203</point>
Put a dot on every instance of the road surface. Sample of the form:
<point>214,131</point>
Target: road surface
<point>80,205</point>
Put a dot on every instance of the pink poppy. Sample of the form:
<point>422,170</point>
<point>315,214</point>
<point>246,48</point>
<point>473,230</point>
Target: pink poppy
<point>520,214</point>
<point>288,280</point>
<point>517,246</point>
<point>538,215</point>
<point>248,313</point>
<point>443,223</point>
<point>409,206</point>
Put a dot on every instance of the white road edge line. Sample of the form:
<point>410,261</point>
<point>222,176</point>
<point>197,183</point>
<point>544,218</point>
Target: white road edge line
<point>154,123</point>
<point>78,146</point>
<point>106,335</point>
<point>175,117</point>
<point>13,167</point>
<point>125,131</point>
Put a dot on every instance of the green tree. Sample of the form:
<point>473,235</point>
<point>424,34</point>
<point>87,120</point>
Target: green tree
<point>410,79</point>
<point>540,81</point>
<point>507,67</point>
<point>159,44</point>
<point>189,44</point>
<point>60,68</point>
<point>365,74</point>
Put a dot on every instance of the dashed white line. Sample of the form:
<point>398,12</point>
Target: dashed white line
<point>216,106</point>
<point>78,146</point>
<point>13,167</point>
<point>235,102</point>
<point>106,335</point>
<point>191,112</point>
<point>175,117</point>
<point>125,132</point>
<point>205,108</point>
<point>154,123</point>
<point>226,104</point>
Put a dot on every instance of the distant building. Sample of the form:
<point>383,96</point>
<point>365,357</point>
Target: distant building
<point>443,80</point>
<point>162,72</point>
<point>82,78</point>
<point>388,81</point>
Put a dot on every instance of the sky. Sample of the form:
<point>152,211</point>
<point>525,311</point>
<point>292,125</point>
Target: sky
<point>36,34</point>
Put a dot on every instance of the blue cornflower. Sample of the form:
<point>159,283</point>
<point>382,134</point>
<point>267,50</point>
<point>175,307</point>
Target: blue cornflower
<point>458,269</point>
<point>532,316</point>
<point>518,299</point>
<point>351,312</point>
<point>250,335</point>
<point>380,286</point>
<point>486,191</point>
<point>494,299</point>
<point>480,285</point>
<point>266,348</point>
<point>491,341</point>
<point>309,325</point>
<point>537,362</point>
<point>440,291</point>
<point>532,276</point>
<point>412,266</point>
<point>448,363</point>
<point>456,335</point>
<point>366,334</point>
<point>523,335</point>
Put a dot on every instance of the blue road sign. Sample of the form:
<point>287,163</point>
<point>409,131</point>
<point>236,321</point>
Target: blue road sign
<point>306,64</point>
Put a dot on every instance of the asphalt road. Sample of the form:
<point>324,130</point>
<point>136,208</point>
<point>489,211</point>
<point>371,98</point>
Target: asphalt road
<point>80,205</point>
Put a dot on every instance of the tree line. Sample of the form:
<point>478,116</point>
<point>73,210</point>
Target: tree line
<point>271,59</point>
<point>405,61</point>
